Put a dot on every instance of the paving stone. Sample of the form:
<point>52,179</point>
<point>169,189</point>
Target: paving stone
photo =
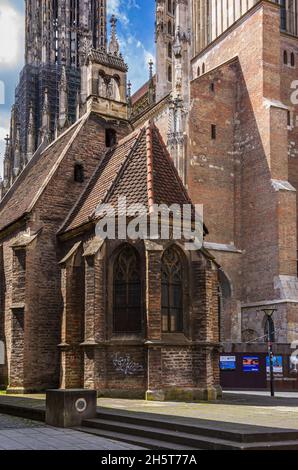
<point>21,434</point>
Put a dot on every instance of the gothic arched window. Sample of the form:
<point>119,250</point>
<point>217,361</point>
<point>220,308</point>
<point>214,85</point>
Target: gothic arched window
<point>170,6</point>
<point>169,27</point>
<point>172,291</point>
<point>127,292</point>
<point>198,71</point>
<point>170,50</point>
<point>203,68</point>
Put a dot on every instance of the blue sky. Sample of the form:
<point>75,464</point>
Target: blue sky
<point>135,32</point>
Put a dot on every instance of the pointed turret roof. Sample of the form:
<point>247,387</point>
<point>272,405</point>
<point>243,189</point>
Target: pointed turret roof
<point>140,169</point>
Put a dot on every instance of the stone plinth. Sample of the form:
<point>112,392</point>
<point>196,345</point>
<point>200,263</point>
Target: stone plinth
<point>68,408</point>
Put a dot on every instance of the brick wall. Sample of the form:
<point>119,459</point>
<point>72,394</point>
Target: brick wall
<point>232,176</point>
<point>43,302</point>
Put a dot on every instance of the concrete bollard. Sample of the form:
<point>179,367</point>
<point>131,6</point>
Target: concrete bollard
<point>68,408</point>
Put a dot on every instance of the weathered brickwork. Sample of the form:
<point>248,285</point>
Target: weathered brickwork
<point>58,279</point>
<point>38,292</point>
<point>152,363</point>
<point>246,175</point>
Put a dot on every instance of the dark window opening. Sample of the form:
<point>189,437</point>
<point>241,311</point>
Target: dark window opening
<point>203,68</point>
<point>285,57</point>
<point>212,87</point>
<point>169,28</point>
<point>170,53</point>
<point>292,59</point>
<point>169,73</point>
<point>127,292</point>
<point>213,131</point>
<point>289,118</point>
<point>172,291</point>
<point>111,138</point>
<point>79,173</point>
<point>198,71</point>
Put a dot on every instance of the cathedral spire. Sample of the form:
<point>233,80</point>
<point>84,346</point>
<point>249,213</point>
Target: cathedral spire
<point>6,159</point>
<point>151,97</point>
<point>45,131</point>
<point>63,99</point>
<point>31,135</point>
<point>114,47</point>
<point>17,152</point>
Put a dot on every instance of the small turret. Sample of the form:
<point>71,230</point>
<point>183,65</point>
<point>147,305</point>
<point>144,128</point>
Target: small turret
<point>63,100</point>
<point>45,131</point>
<point>114,47</point>
<point>151,88</point>
<point>31,135</point>
<point>17,152</point>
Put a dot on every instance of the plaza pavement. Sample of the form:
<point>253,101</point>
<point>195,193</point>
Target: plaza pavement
<point>253,408</point>
<point>258,410</point>
<point>23,434</point>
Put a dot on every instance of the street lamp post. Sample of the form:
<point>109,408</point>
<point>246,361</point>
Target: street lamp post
<point>270,333</point>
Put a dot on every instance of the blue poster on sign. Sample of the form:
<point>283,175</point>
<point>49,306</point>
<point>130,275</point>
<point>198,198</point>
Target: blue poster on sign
<point>277,365</point>
<point>251,364</point>
<point>227,362</point>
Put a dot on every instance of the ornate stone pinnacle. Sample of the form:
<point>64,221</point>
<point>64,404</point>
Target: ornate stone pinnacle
<point>150,69</point>
<point>114,44</point>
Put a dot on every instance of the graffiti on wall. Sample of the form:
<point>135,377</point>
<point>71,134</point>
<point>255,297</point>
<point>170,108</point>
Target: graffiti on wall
<point>126,366</point>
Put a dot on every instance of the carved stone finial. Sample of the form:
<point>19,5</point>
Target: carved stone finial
<point>114,47</point>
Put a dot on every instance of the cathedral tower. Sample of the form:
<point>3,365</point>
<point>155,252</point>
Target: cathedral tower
<point>59,34</point>
<point>164,32</point>
<point>210,18</point>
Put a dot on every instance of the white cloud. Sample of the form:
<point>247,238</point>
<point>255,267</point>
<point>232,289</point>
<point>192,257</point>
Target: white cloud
<point>137,57</point>
<point>119,8</point>
<point>11,35</point>
<point>133,50</point>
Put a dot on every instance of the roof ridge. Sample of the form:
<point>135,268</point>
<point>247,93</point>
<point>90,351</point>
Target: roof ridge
<point>150,176</point>
<point>36,154</point>
<point>76,123</point>
<point>170,160</point>
<point>122,167</point>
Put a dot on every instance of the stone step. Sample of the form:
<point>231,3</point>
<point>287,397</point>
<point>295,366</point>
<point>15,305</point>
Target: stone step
<point>140,433</point>
<point>230,431</point>
<point>27,412</point>
<point>145,442</point>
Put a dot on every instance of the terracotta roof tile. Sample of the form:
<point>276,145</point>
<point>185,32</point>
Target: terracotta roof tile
<point>127,171</point>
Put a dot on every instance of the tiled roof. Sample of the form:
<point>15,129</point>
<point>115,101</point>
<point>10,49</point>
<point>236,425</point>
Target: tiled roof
<point>138,168</point>
<point>19,199</point>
